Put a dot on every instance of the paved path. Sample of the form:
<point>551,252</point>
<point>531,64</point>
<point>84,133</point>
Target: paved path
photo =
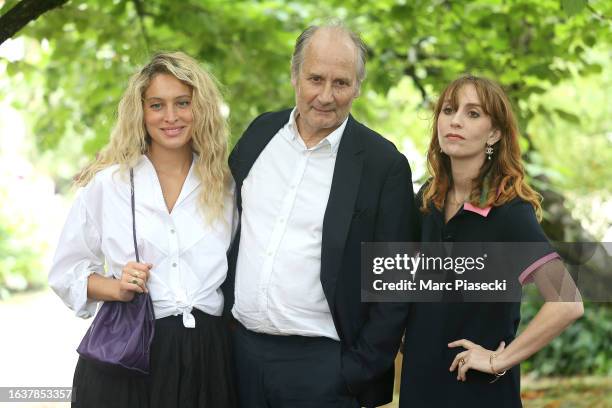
<point>38,339</point>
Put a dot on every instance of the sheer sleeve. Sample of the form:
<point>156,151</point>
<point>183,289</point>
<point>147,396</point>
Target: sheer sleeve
<point>532,249</point>
<point>535,258</point>
<point>555,283</point>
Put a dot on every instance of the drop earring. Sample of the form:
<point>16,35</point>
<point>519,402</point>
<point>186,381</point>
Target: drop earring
<point>489,151</point>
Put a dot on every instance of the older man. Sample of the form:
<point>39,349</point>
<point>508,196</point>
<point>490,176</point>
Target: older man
<point>312,184</point>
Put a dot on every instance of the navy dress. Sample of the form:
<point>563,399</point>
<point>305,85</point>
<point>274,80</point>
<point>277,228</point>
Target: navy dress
<point>426,381</point>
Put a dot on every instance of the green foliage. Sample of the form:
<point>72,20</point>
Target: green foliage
<point>572,7</point>
<point>20,266</point>
<point>579,116</point>
<point>93,47</point>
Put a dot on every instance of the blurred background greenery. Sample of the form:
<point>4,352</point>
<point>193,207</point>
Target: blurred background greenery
<point>62,74</point>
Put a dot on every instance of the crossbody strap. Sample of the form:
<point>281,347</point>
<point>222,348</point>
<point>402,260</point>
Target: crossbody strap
<point>134,215</point>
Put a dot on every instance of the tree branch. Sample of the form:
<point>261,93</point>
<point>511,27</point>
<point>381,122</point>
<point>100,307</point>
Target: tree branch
<point>596,13</point>
<point>141,14</point>
<point>410,71</point>
<point>24,12</point>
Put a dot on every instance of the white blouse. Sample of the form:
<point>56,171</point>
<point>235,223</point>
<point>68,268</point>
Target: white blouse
<point>278,272</point>
<point>188,255</point>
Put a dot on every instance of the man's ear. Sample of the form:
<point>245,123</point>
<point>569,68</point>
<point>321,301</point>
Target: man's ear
<point>494,137</point>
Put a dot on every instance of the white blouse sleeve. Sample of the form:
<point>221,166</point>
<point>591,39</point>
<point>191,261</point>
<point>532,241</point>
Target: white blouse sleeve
<point>77,256</point>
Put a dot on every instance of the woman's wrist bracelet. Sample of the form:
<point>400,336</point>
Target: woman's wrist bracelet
<point>492,357</point>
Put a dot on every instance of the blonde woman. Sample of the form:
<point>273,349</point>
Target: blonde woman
<point>170,131</point>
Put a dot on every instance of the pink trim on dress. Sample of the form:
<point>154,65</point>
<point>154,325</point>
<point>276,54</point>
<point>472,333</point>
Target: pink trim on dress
<point>481,211</point>
<point>525,275</point>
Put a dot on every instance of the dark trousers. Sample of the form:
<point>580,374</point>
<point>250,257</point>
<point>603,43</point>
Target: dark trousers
<point>288,371</point>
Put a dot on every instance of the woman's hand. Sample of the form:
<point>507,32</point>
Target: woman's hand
<point>475,357</point>
<point>133,280</point>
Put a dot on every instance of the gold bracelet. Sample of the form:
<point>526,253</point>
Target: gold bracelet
<point>497,375</point>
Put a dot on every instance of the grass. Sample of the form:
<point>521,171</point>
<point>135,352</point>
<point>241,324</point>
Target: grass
<point>571,392</point>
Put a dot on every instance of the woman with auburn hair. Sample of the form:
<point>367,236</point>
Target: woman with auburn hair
<point>171,139</point>
<point>468,354</point>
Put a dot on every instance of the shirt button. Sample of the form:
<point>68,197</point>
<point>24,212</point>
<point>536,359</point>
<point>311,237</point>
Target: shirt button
<point>269,253</point>
<point>172,231</point>
<point>174,264</point>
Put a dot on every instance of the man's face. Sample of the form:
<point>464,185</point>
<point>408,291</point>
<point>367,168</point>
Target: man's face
<point>326,84</point>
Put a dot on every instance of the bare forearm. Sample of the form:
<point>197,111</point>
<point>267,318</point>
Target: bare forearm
<point>102,288</point>
<point>548,323</point>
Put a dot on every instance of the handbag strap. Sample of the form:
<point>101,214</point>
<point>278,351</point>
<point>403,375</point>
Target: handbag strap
<point>134,214</point>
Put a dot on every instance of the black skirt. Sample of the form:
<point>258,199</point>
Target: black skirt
<point>190,368</point>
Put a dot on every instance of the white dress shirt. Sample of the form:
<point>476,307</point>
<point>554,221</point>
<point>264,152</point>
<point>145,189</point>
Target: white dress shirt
<point>188,255</point>
<point>284,197</point>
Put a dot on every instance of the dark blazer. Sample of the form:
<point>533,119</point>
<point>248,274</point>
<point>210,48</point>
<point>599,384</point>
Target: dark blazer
<point>371,199</point>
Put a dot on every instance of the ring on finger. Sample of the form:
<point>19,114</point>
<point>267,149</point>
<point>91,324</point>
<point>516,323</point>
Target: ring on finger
<point>134,281</point>
<point>461,361</point>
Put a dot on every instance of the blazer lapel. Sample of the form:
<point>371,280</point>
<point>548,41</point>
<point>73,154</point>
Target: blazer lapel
<point>339,211</point>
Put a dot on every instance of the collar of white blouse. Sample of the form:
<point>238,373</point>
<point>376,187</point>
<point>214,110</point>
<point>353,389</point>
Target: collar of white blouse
<point>146,180</point>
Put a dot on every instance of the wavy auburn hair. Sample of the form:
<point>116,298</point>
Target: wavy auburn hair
<point>209,139</point>
<point>500,179</point>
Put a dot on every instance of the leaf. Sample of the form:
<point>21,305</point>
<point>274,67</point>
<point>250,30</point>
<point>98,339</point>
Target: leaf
<point>592,69</point>
<point>573,7</point>
<point>534,394</point>
<point>590,40</point>
<point>565,115</point>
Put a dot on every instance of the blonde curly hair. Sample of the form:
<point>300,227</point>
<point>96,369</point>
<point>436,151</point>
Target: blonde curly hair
<point>210,136</point>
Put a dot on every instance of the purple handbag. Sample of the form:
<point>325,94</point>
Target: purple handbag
<point>121,333</point>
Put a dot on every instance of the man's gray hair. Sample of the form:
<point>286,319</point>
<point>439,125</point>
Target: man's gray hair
<point>297,59</point>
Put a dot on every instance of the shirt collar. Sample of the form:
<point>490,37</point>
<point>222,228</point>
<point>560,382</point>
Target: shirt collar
<point>484,211</point>
<point>480,211</point>
<point>191,182</point>
<point>333,139</point>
